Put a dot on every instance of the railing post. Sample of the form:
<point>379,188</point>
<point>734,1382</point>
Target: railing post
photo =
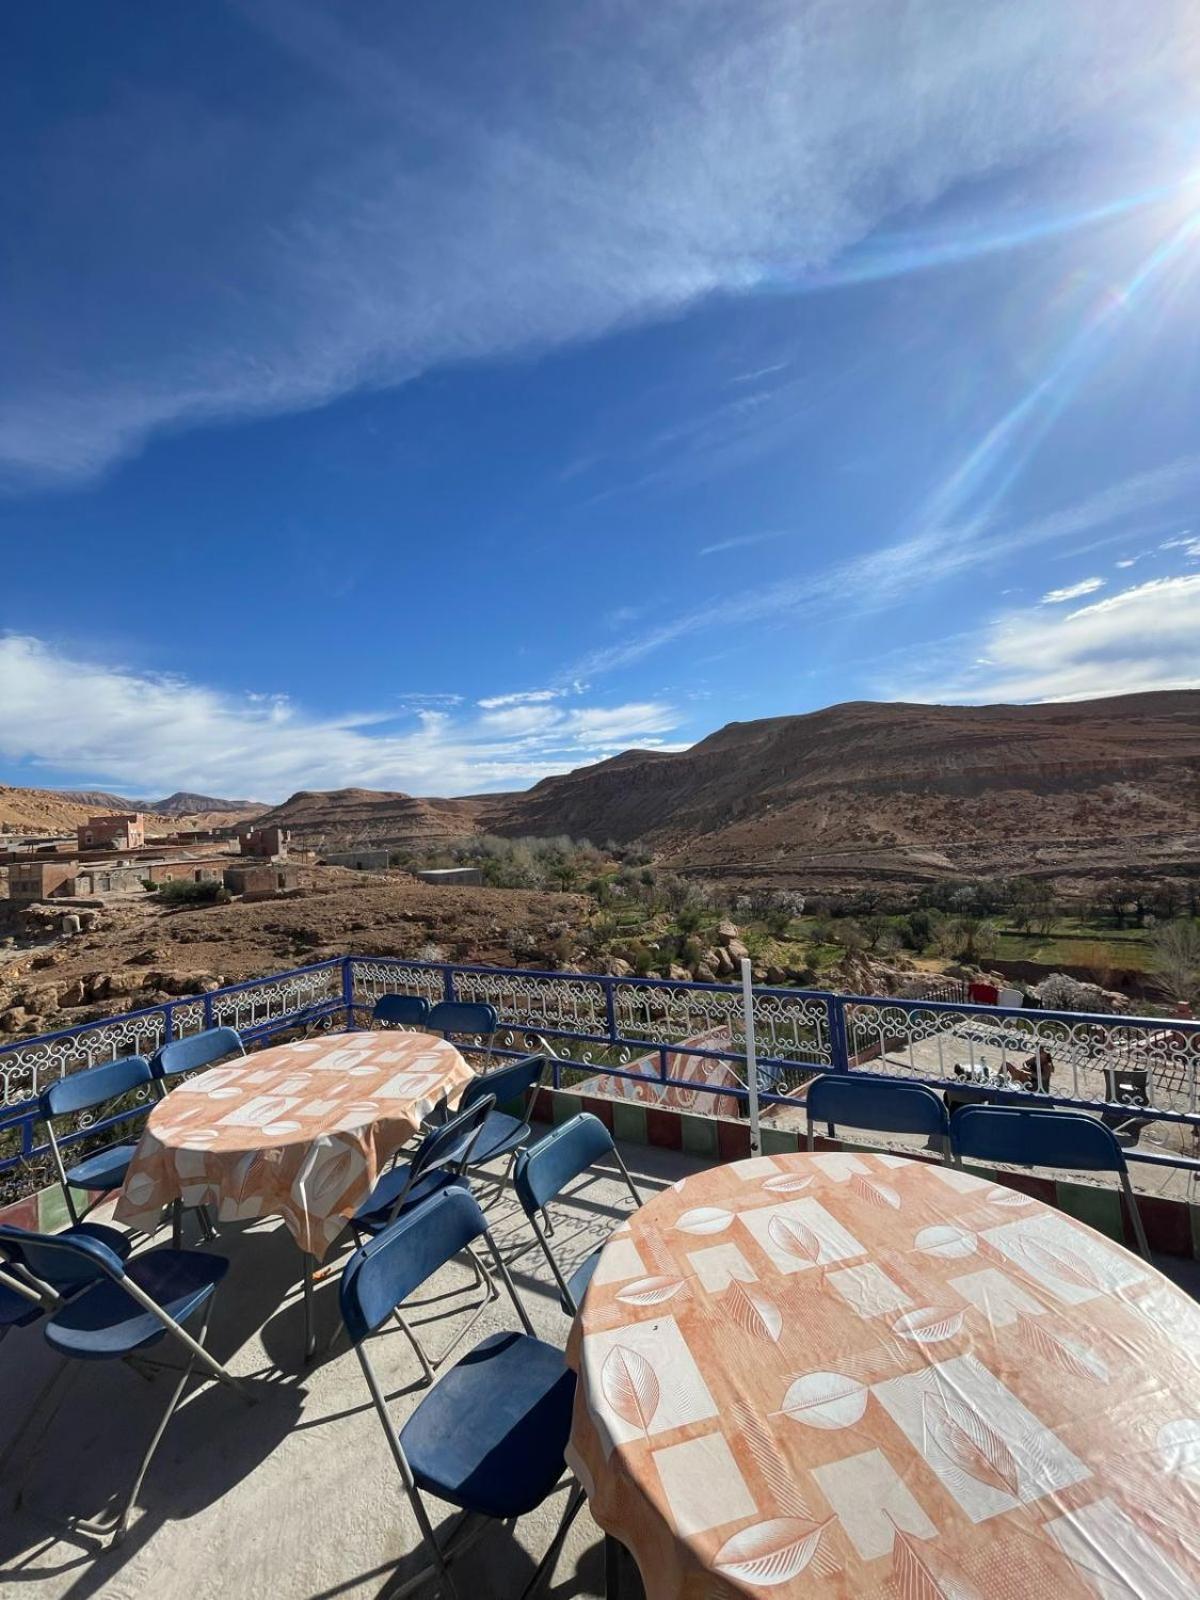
<point>207,1008</point>
<point>448,991</point>
<point>751,1059</point>
<point>348,989</point>
<point>168,1024</point>
<point>610,1008</point>
<point>839,1039</point>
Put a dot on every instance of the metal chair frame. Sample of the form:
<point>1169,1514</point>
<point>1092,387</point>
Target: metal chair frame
<point>230,1042</point>
<point>462,1534</point>
<point>466,1123</point>
<point>107,1265</point>
<point>138,1071</point>
<point>532,1202</point>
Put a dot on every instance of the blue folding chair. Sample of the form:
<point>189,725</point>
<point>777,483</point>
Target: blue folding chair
<point>104,1170</point>
<point>465,1019</point>
<point>192,1052</point>
<point>400,1011</point>
<point>23,1299</point>
<point>878,1104</point>
<point>544,1171</point>
<point>112,1310</point>
<point>490,1436</point>
<point>1062,1140</point>
<point>515,1084</point>
<point>441,1161</point>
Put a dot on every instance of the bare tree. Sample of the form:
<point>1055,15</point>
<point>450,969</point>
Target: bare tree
<point>1176,955</point>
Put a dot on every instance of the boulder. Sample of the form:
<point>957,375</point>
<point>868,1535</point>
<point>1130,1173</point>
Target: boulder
<point>726,932</point>
<point>737,951</point>
<point>14,1019</point>
<point>679,974</point>
<point>73,993</point>
<point>703,973</point>
<point>617,968</point>
<point>722,960</point>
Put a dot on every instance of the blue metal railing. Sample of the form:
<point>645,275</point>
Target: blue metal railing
<point>1141,1069</point>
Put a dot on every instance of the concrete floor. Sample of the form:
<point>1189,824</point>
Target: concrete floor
<point>297,1497</point>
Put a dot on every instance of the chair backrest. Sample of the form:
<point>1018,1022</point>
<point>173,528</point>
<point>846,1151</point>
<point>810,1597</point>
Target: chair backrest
<point>65,1264</point>
<point>80,1091</point>
<point>401,1010</point>
<point>875,1103</point>
<point>463,1016</point>
<point>450,1144</point>
<point>1035,1138</point>
<point>384,1272</point>
<point>196,1050</point>
<point>506,1084</point>
<point>546,1168</point>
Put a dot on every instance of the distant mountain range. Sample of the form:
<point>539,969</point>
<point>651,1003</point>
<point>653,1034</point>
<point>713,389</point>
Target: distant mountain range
<point>861,794</point>
<point>179,804</point>
<point>858,794</point>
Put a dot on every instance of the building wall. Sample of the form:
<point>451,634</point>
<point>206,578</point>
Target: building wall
<point>40,880</point>
<point>265,879</point>
<point>267,842</point>
<point>193,871</point>
<point>126,831</point>
<point>453,875</point>
<point>360,860</point>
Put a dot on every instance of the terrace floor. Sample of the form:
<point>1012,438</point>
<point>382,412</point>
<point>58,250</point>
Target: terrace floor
<point>297,1497</point>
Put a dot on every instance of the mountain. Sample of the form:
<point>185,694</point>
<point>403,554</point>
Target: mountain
<point>371,816</point>
<point>179,804</point>
<point>62,810</point>
<point>872,793</point>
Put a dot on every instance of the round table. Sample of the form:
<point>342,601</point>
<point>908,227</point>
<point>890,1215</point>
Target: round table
<point>859,1375</point>
<point>300,1131</point>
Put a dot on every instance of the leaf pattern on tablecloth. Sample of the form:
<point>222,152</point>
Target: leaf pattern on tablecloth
<point>1062,1262</point>
<point>874,1193</point>
<point>770,1553</point>
<point>704,1219</point>
<point>827,1400</point>
<point>630,1386</point>
<point>971,1443</point>
<point>1012,1198</point>
<point>1061,1349</point>
<point>794,1238</point>
<point>928,1325</point>
<point>649,1291</point>
<point>777,1474</point>
<point>914,1576</point>
<point>327,1176</point>
<point>787,1183</point>
<point>754,1313</point>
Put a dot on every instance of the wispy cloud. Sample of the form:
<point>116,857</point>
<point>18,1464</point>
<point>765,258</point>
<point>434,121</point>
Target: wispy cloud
<point>1140,639</point>
<point>525,697</point>
<point>882,577</point>
<point>399,208</point>
<point>1073,591</point>
<point>143,733</point>
<point>740,542</point>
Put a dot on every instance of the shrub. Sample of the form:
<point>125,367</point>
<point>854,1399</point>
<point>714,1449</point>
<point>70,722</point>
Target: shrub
<point>186,892</point>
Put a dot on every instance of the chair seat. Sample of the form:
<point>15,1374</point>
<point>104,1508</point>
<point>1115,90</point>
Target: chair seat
<point>104,1171</point>
<point>578,1282</point>
<point>376,1210</point>
<point>105,1322</point>
<point>490,1436</point>
<point>499,1136</point>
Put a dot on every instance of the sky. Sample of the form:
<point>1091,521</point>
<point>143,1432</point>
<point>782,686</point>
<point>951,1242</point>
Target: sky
<point>436,397</point>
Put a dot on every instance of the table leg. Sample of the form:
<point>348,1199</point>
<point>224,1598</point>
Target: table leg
<point>310,1336</point>
<point>612,1568</point>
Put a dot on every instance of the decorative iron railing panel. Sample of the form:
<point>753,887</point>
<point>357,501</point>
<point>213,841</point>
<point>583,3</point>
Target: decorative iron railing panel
<point>1140,1074</point>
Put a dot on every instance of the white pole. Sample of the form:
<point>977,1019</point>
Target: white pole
<point>751,1058</point>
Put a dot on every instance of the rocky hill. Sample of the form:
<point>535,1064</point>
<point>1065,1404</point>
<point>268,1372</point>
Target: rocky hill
<point>349,817</point>
<point>877,793</point>
<point>179,804</point>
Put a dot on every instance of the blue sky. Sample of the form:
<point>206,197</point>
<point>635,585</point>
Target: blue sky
<point>434,397</point>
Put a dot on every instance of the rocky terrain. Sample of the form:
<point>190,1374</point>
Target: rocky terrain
<point>138,953</point>
<point>340,817</point>
<point>62,810</point>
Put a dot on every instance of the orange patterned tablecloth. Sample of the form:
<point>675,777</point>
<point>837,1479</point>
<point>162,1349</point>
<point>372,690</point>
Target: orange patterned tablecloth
<point>856,1375</point>
<point>301,1131</point>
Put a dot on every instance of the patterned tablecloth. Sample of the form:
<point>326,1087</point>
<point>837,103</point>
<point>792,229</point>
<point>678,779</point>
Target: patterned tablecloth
<point>845,1375</point>
<point>301,1131</point>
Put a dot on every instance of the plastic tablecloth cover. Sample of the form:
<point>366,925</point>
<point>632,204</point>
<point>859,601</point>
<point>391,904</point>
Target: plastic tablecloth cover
<point>859,1375</point>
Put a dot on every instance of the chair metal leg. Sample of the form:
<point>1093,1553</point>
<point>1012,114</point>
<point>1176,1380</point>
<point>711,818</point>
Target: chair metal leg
<point>426,1368</point>
<point>177,1224</point>
<point>1135,1216</point>
<point>546,1565</point>
<point>310,1332</point>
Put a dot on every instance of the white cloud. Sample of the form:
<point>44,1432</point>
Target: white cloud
<point>1073,591</point>
<point>1130,561</point>
<point>112,728</point>
<point>1146,637</point>
<point>523,697</point>
<point>560,172</point>
<point>739,543</point>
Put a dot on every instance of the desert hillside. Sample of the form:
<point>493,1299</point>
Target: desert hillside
<point>371,816</point>
<point>875,792</point>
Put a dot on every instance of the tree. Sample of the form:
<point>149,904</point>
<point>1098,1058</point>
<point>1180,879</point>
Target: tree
<point>1176,955</point>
